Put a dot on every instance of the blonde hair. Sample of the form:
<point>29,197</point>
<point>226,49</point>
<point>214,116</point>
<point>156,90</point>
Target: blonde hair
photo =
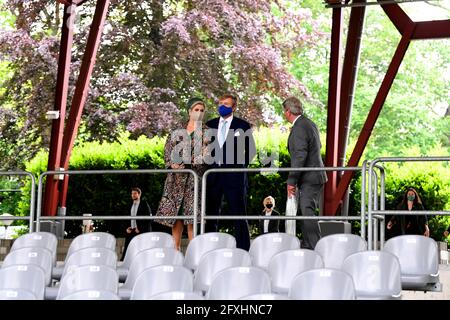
<point>269,198</point>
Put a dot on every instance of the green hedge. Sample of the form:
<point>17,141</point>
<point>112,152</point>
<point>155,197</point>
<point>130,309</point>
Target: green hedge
<point>110,194</point>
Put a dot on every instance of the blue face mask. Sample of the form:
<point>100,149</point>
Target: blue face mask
<point>224,110</point>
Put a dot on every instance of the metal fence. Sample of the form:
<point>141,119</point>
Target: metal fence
<point>30,217</point>
<point>39,216</point>
<point>374,212</point>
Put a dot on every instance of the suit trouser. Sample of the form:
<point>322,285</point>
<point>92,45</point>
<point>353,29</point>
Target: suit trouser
<point>308,205</point>
<point>128,238</point>
<point>236,198</point>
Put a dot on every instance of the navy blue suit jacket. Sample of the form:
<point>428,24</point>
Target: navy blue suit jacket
<point>237,152</point>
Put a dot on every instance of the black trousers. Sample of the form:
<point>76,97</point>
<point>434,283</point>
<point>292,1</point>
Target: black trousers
<point>308,205</point>
<point>128,238</point>
<point>236,197</point>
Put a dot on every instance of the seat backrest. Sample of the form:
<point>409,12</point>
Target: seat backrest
<point>159,279</point>
<point>152,258</point>
<point>37,239</point>
<point>41,257</point>
<point>27,277</point>
<point>88,278</point>
<point>336,247</point>
<point>16,294</point>
<point>266,296</point>
<point>177,295</point>
<point>91,256</point>
<point>92,295</point>
<point>284,266</point>
<point>374,273</point>
<point>204,243</point>
<point>237,282</point>
<point>144,241</point>
<point>217,260</point>
<point>265,246</point>
<point>322,284</point>
<point>418,255</point>
<point>92,240</point>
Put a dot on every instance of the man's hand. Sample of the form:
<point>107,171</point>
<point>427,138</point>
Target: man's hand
<point>445,233</point>
<point>129,229</point>
<point>291,190</point>
<point>136,230</point>
<point>427,231</point>
<point>389,225</point>
<point>177,166</point>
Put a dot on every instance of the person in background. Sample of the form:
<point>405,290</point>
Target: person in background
<point>178,194</point>
<point>234,147</point>
<point>304,148</point>
<point>410,224</point>
<point>139,207</point>
<point>266,226</point>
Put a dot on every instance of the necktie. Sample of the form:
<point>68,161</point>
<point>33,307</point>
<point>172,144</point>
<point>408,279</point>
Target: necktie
<point>223,132</point>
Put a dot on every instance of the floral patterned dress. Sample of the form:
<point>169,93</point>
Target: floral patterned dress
<point>178,194</point>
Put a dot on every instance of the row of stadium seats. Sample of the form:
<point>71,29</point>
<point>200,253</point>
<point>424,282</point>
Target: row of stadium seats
<point>214,267</point>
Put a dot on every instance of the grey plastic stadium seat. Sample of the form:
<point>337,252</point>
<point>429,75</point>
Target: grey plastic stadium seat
<point>217,260</point>
<point>92,295</point>
<point>177,295</point>
<point>91,256</point>
<point>144,241</point>
<point>284,266</point>
<point>266,296</point>
<point>336,247</point>
<point>237,282</point>
<point>16,294</point>
<point>88,278</point>
<point>419,261</point>
<point>376,274</point>
<point>27,277</point>
<point>45,240</point>
<point>156,280</point>
<point>92,240</point>
<point>41,257</point>
<point>265,246</point>
<point>204,243</point>
<point>147,259</point>
<point>322,284</point>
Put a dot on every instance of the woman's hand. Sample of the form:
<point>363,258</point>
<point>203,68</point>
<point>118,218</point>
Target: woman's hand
<point>177,166</point>
<point>389,225</point>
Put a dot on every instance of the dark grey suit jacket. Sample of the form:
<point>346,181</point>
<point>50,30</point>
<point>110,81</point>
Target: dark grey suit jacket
<point>304,148</point>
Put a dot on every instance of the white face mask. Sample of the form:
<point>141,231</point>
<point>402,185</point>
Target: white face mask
<point>197,116</point>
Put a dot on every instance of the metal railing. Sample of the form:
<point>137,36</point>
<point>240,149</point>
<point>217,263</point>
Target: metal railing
<point>203,216</point>
<point>39,217</point>
<point>30,217</point>
<point>373,208</point>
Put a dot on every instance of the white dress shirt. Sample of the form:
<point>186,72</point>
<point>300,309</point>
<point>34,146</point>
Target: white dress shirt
<point>134,209</point>
<point>266,222</point>
<point>219,129</point>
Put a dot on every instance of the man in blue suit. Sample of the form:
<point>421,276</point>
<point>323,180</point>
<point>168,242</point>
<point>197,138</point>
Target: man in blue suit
<point>233,147</point>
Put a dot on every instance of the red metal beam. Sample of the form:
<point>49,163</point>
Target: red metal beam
<point>432,30</point>
<point>398,17</point>
<point>62,85</point>
<point>349,72</point>
<point>373,115</point>
<point>334,85</point>
<point>82,86</point>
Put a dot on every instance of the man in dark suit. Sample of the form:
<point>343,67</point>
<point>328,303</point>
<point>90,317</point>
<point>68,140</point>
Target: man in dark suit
<point>233,147</point>
<point>304,148</point>
<point>138,208</point>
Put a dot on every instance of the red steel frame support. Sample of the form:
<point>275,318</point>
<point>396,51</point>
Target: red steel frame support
<point>62,84</point>
<point>62,139</point>
<point>331,156</point>
<point>82,88</point>
<point>374,113</point>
